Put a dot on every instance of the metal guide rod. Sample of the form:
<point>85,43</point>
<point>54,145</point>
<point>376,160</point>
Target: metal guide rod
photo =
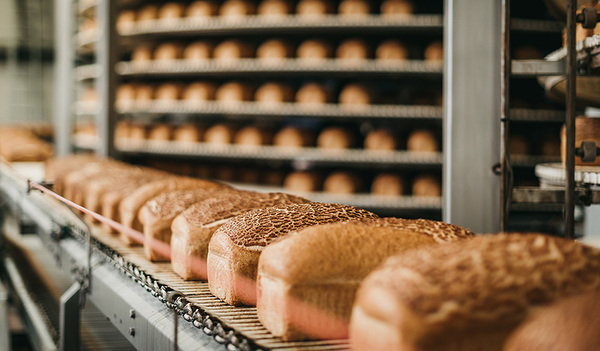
<point>570,122</point>
<point>505,71</point>
<point>106,83</point>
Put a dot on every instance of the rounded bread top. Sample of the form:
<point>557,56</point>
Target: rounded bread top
<point>168,205</point>
<point>439,231</point>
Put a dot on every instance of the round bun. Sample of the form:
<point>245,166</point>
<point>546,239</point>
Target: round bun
<point>388,184</point>
<point>518,145</point>
<point>422,140</point>
<point>397,7</point>
<point>314,8</point>
<point>341,183</point>
<point>125,93</point>
<point>434,51</point>
<point>148,12</point>
<point>89,24</point>
<point>201,9</point>
<point>314,49</point>
<point>274,8</point>
<point>391,50</point>
<point>251,136</point>
<point>198,50</point>
<point>274,49</point>
<point>161,131</point>
<point>273,93</point>
<point>187,133</point>
<point>550,147</point>
<point>235,9</point>
<point>426,185</point>
<point>144,92</point>
<point>312,93</point>
<point>199,91</point>
<point>232,50</point>
<point>171,10</point>
<point>122,130</point>
<point>381,139</point>
<point>90,95</point>
<point>352,50</point>
<point>303,182</point>
<point>168,51</point>
<point>219,134</point>
<point>125,20</point>
<point>335,138</point>
<point>137,132</point>
<point>355,94</point>
<point>168,92</point>
<point>234,92</point>
<point>142,53</point>
<point>293,137</point>
<point>354,8</point>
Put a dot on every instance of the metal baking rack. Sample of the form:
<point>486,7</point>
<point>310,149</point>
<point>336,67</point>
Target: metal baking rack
<point>86,7</point>
<point>533,115</point>
<point>328,67</point>
<point>531,161</point>
<point>86,41</point>
<point>87,72</point>
<point>529,25</point>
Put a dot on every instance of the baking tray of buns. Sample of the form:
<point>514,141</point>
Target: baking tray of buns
<point>291,23</point>
<point>287,66</point>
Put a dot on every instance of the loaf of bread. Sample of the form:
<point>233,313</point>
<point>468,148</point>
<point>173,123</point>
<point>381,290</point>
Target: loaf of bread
<point>125,93</point>
<point>422,140</point>
<point>275,8</point>
<point>130,206</point>
<point>312,95</point>
<point>354,50</point>
<point>148,12</point>
<point>335,138</point>
<point>302,182</point>
<point>308,280</point>
<point>188,133</point>
<point>252,136</point>
<point>274,50</point>
<point>138,131</point>
<point>144,92</point>
<point>199,91</point>
<point>467,295</point>
<point>354,8</point>
<point>342,183</point>
<point>434,51</point>
<point>314,9</point>
<point>272,94</point>
<point>161,131</point>
<point>381,139</point>
<point>314,50</point>
<point>194,227</point>
<point>142,53</point>
<point>568,324</point>
<point>235,247</point>
<point>73,183</point>
<point>426,185</point>
<point>236,9</point>
<point>198,51</point>
<point>293,137</point>
<point>388,185</point>
<point>586,129</point>
<point>168,51</point>
<point>158,213</point>
<point>171,11</point>
<point>57,168</point>
<point>201,8</point>
<point>234,92</point>
<point>232,50</point>
<point>168,92</point>
<point>391,50</point>
<point>219,134</point>
<point>397,7</point>
<point>356,95</point>
<point>125,20</point>
<point>550,147</point>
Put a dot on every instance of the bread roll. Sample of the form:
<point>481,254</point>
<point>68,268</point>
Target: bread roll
<point>422,140</point>
<point>467,295</point>
<point>426,185</point>
<point>162,131</point>
<point>388,184</point>
<point>314,9</point>
<point>396,7</point>
<point>122,129</point>
<point>90,95</point>
<point>219,134</point>
<point>356,95</point>
<point>125,93</point>
<point>142,53</point>
<point>168,91</point>
<point>236,9</point>
<point>293,137</point>
<point>194,227</point>
<point>314,50</point>
<point>341,183</point>
<point>198,51</point>
<point>434,51</point>
<point>138,132</point>
<point>168,51</point>
<point>157,215</point>
<point>234,92</point>
<point>354,8</point>
<point>335,138</point>
<point>381,139</point>
<point>148,12</point>
<point>274,49</point>
<point>518,145</point>
<point>231,50</point>
<point>199,91</point>
<point>144,92</point>
<point>189,133</point>
<point>200,9</point>
<point>586,129</point>
<point>352,50</point>
<point>235,247</point>
<point>171,11</point>
<point>391,50</point>
<point>567,324</point>
<point>550,147</point>
<point>302,182</point>
<point>273,94</point>
<point>125,20</point>
<point>311,94</point>
<point>274,8</point>
<point>320,268</point>
<point>252,136</point>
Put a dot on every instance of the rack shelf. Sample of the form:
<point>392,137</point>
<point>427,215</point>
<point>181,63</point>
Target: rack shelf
<point>86,6</point>
<point>86,41</point>
<point>87,72</point>
<point>531,160</point>
<point>529,25</point>
<point>533,115</point>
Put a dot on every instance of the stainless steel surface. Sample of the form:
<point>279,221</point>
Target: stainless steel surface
<point>107,56</point>
<point>64,65</point>
<point>535,195</point>
<point>70,319</point>
<point>570,121</point>
<point>472,114</point>
<point>506,175</point>
<point>535,68</point>
<point>554,173</point>
<point>4,324</point>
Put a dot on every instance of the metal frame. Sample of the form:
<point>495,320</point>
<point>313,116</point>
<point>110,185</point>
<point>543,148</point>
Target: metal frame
<point>64,66</point>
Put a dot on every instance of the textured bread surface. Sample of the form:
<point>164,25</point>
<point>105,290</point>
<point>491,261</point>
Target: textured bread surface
<point>388,185</point>
<point>322,266</point>
<point>194,227</point>
<point>236,246</point>
<point>469,295</point>
<point>381,139</point>
<point>56,169</point>
<point>439,231</point>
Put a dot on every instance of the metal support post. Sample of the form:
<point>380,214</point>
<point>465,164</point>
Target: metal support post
<point>4,326</point>
<point>506,180</point>
<point>69,318</point>
<point>570,122</point>
<point>63,80</point>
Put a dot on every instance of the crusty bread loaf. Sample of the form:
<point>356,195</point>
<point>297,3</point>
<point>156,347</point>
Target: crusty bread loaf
<point>138,131</point>
<point>272,94</point>
<point>161,131</point>
<point>352,50</point>
<point>335,138</point>
<point>252,136</point>
<point>274,8</point>
<point>354,8</point>
<point>235,247</point>
<point>342,183</point>
<point>312,94</point>
<point>131,204</point>
<point>440,231</point>
<point>232,50</point>
<point>235,9</point>
<point>274,50</point>
<point>144,92</point>
<point>388,184</point>
<point>356,95</point>
<point>168,91</point>
<point>125,93</point>
<point>158,213</point>
<point>171,11</point>
<point>302,182</point>
<point>468,295</point>
<point>307,281</point>
<point>219,134</point>
<point>314,9</point>
<point>381,139</point>
<point>194,227</point>
<point>314,50</point>
<point>168,51</point>
<point>148,12</point>
<point>586,129</point>
<point>426,185</point>
<point>125,20</point>
<point>233,92</point>
<point>391,50</point>
<point>199,91</point>
<point>396,7</point>
<point>56,169</point>
<point>434,51</point>
<point>188,133</point>
<point>568,324</point>
<point>142,53</point>
<point>293,137</point>
<point>422,140</point>
<point>202,8</point>
<point>74,182</point>
<point>198,50</point>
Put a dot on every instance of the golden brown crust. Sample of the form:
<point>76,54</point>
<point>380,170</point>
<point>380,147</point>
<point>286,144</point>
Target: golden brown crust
<point>439,231</point>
